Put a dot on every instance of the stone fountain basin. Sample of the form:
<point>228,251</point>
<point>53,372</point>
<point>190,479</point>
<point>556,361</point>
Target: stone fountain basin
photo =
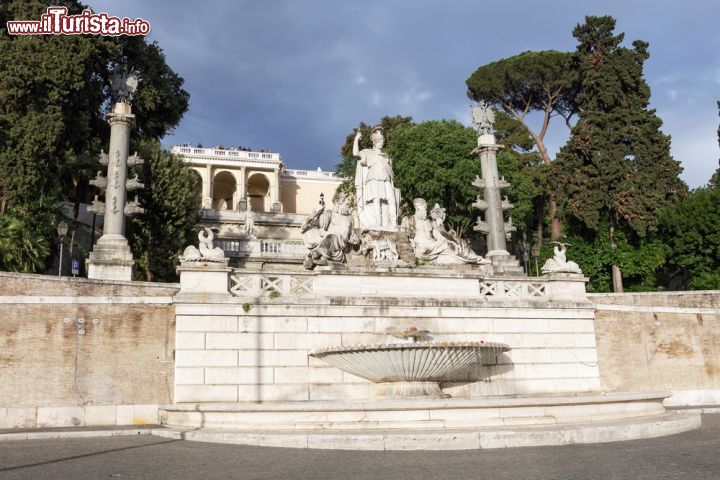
<point>417,362</point>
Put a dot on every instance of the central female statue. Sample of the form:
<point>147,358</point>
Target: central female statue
<point>375,192</point>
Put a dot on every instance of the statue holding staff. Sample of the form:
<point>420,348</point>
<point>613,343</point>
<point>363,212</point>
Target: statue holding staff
<point>375,192</point>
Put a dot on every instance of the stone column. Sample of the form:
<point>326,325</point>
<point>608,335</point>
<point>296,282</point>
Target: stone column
<point>275,189</point>
<point>208,193</point>
<point>111,258</point>
<point>242,183</point>
<point>494,225</point>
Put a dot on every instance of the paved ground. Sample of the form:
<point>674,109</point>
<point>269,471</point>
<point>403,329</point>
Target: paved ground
<point>687,456</point>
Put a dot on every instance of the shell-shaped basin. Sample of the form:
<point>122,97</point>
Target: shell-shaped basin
<point>412,362</point>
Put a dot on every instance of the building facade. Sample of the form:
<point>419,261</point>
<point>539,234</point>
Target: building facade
<point>233,179</point>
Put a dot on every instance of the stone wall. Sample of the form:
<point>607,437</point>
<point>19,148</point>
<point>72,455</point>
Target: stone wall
<point>256,348</point>
<point>660,341</point>
<point>83,352</point>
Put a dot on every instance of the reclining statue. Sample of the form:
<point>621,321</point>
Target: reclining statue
<point>433,243</point>
<point>329,236</point>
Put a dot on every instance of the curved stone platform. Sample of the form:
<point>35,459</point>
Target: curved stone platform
<point>429,424</point>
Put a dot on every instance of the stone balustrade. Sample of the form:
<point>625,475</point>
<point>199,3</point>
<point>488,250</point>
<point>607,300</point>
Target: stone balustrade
<point>263,248</point>
<point>226,154</point>
<point>411,284</point>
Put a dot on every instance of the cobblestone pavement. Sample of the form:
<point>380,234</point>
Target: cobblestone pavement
<point>688,456</point>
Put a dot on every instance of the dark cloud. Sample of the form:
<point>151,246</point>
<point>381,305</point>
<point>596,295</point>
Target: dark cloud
<point>297,76</point>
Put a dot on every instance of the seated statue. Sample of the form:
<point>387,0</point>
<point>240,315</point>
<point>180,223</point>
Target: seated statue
<point>433,243</point>
<point>329,235</point>
<point>559,262</point>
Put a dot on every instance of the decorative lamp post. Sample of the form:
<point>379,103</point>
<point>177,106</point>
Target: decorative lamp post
<point>536,253</point>
<point>526,258</point>
<point>62,230</point>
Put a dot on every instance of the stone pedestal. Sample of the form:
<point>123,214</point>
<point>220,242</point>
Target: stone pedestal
<point>111,259</point>
<point>204,277</point>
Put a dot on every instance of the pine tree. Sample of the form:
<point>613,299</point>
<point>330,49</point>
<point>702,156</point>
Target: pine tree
<point>616,169</point>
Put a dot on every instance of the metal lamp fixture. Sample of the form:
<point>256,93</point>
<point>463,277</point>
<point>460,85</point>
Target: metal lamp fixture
<point>62,230</point>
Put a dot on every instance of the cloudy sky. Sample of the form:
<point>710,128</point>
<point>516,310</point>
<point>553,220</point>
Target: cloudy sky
<point>296,76</point>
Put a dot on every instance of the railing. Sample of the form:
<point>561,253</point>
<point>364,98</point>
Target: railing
<point>310,174</point>
<point>314,283</point>
<point>287,248</point>
<point>231,247</point>
<point>242,284</point>
<point>224,153</point>
<point>508,289</point>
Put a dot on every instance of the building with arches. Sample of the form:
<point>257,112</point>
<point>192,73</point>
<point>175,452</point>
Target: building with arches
<point>232,181</point>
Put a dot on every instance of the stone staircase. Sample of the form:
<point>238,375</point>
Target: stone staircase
<point>507,266</point>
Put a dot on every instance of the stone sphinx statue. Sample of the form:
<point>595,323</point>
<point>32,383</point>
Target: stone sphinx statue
<point>377,199</point>
<point>559,262</point>
<point>433,243</point>
<point>329,236</point>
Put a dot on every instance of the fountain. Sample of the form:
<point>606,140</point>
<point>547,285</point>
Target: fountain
<point>255,348</point>
<point>413,368</point>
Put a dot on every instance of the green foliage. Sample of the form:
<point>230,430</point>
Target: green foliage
<point>639,260</point>
<point>692,231</point>
<point>275,294</point>
<point>54,92</point>
<point>51,97</point>
<point>616,171</point>
<point>531,81</point>
<point>617,163</point>
<point>432,160</point>
<point>158,236</point>
<point>160,101</point>
<point>24,244</point>
<point>521,190</point>
<point>246,307</point>
<point>540,81</point>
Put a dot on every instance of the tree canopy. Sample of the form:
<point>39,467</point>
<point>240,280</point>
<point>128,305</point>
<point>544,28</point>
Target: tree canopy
<point>433,160</point>
<point>54,94</point>
<point>169,197</point>
<point>616,168</point>
<point>691,230</point>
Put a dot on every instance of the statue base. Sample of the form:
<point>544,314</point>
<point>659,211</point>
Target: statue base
<point>385,249</point>
<point>111,259</point>
<point>505,264</point>
<point>204,277</point>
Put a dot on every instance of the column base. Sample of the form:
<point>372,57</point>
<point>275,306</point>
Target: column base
<point>111,259</point>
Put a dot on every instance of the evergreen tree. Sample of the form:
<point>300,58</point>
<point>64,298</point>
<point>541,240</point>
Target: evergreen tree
<point>54,93</point>
<point>158,236</point>
<point>616,168</point>
<point>692,231</point>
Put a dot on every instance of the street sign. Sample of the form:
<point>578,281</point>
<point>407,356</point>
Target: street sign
<point>75,267</point>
